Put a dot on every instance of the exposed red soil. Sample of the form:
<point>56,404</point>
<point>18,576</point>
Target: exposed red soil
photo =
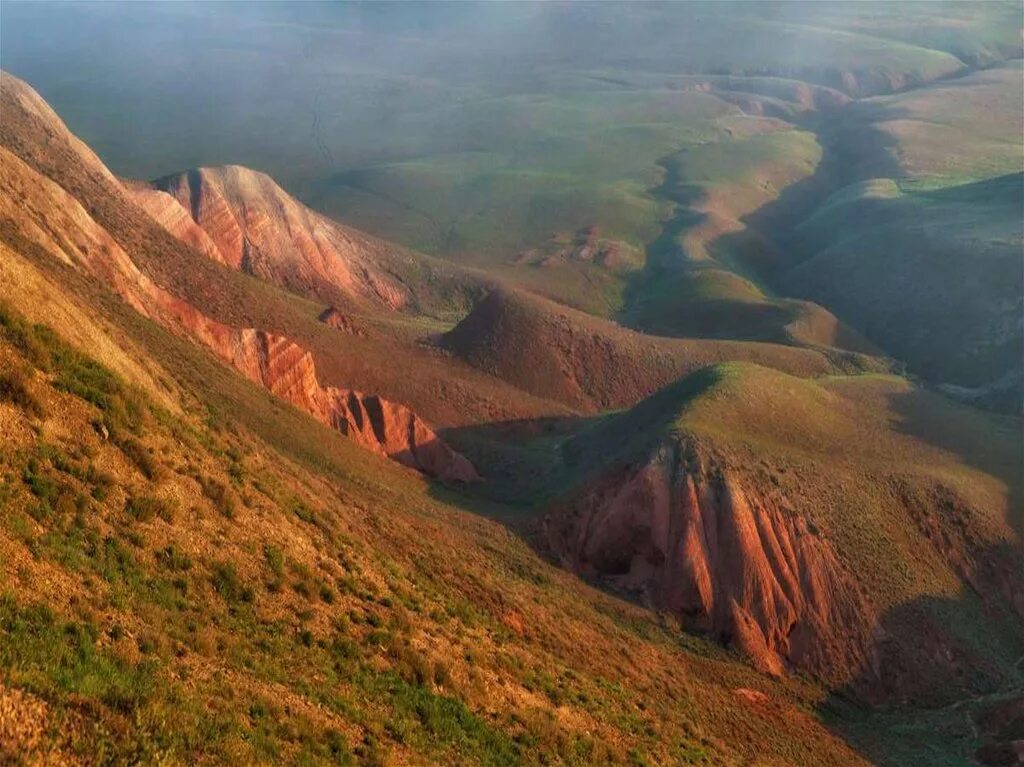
<point>737,565</point>
<point>261,229</point>
<point>337,319</point>
<point>45,213</point>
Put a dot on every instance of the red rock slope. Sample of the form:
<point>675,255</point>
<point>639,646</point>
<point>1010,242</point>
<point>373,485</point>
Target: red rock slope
<point>40,212</point>
<point>823,527</point>
<point>258,227</point>
<point>737,566</point>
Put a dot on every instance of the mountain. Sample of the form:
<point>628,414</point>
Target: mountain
<point>256,226</point>
<point>279,491</point>
<point>198,572</point>
<point>857,528</point>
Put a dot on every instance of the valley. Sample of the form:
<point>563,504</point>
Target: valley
<point>491,401</point>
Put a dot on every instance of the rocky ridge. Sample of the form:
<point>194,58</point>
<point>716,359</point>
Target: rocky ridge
<point>739,566</point>
<point>42,212</point>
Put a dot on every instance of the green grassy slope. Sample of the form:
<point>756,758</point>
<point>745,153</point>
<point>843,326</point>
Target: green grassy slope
<point>923,251</point>
<point>236,583</point>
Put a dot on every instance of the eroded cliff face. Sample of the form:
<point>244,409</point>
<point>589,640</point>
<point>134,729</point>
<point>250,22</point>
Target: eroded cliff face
<point>44,214</point>
<point>169,213</point>
<point>386,428</point>
<point>740,566</point>
<point>258,227</point>
<point>288,371</point>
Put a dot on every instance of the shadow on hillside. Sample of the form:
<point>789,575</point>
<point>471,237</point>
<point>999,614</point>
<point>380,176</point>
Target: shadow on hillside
<point>990,443</point>
<point>941,670</point>
<point>520,461</point>
<point>850,153</point>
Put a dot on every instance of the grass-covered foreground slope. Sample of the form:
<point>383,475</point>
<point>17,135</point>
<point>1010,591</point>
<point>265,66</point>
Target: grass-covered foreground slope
<point>214,578</point>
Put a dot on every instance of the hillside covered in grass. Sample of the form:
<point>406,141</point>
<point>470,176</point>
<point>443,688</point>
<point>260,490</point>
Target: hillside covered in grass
<point>497,384</point>
<point>215,598</point>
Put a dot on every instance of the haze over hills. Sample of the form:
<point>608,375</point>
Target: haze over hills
<point>538,384</point>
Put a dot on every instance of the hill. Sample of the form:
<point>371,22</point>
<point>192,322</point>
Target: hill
<point>920,246</point>
<point>47,159</point>
<point>593,364</point>
<point>257,227</point>
<point>855,527</point>
<point>933,276</point>
<point>196,572</point>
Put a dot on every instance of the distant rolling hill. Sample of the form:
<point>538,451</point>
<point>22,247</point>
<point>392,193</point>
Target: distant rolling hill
<point>593,364</point>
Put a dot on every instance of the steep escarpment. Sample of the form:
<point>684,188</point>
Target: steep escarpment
<point>169,213</point>
<point>560,353</point>
<point>387,428</point>
<point>261,229</point>
<point>37,210</point>
<point>742,567</point>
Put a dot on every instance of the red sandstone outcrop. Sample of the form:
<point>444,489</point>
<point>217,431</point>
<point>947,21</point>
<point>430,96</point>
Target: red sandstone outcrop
<point>52,133</point>
<point>335,318</point>
<point>44,214</point>
<point>386,428</point>
<point>258,227</point>
<point>288,371</point>
<point>167,212</point>
<point>738,566</point>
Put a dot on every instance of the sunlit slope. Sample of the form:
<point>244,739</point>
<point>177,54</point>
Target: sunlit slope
<point>233,582</point>
<point>859,528</point>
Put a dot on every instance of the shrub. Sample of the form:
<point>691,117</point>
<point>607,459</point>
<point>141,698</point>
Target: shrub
<point>15,388</point>
<point>237,473</point>
<point>101,482</point>
<point>42,487</point>
<point>302,511</point>
<point>219,495</point>
<point>275,561</point>
<point>174,559</point>
<point>141,457</point>
<point>146,507</point>
<point>228,584</point>
<point>26,338</point>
